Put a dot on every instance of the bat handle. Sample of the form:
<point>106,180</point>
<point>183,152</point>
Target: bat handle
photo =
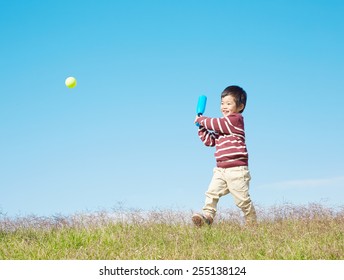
<point>197,124</point>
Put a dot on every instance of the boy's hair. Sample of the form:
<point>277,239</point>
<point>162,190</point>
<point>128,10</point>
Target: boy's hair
<point>238,93</point>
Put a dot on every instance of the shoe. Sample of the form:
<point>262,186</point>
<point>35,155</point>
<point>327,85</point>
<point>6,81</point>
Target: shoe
<point>199,220</point>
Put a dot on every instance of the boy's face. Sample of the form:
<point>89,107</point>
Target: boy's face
<point>228,106</point>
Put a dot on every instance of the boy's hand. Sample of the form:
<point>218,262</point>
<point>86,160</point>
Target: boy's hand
<point>195,121</point>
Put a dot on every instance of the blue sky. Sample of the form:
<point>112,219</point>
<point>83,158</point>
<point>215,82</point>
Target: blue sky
<point>125,134</point>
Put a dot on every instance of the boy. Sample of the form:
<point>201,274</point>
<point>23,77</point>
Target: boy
<point>231,174</point>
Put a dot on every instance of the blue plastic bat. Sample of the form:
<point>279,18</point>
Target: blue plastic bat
<point>202,102</point>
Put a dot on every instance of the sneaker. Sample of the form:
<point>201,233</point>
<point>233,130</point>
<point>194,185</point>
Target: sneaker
<point>199,220</point>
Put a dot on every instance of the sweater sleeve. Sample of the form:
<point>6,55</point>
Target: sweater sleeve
<point>207,137</point>
<point>226,125</point>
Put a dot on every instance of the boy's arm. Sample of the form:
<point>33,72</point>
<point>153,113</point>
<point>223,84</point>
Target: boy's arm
<point>226,125</point>
<point>207,137</point>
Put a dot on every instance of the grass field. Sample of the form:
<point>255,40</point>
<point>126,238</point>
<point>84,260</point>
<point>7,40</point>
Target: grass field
<point>286,232</point>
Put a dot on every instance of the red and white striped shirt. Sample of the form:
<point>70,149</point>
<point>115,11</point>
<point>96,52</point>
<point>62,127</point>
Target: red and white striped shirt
<point>227,134</point>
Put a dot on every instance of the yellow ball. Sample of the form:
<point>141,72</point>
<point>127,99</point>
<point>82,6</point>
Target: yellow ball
<point>70,82</point>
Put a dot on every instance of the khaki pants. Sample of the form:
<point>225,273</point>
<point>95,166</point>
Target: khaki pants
<point>235,181</point>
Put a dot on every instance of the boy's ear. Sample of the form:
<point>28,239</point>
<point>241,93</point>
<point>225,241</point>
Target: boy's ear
<point>241,107</point>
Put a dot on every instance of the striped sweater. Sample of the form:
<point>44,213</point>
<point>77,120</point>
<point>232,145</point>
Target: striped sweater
<point>228,136</point>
